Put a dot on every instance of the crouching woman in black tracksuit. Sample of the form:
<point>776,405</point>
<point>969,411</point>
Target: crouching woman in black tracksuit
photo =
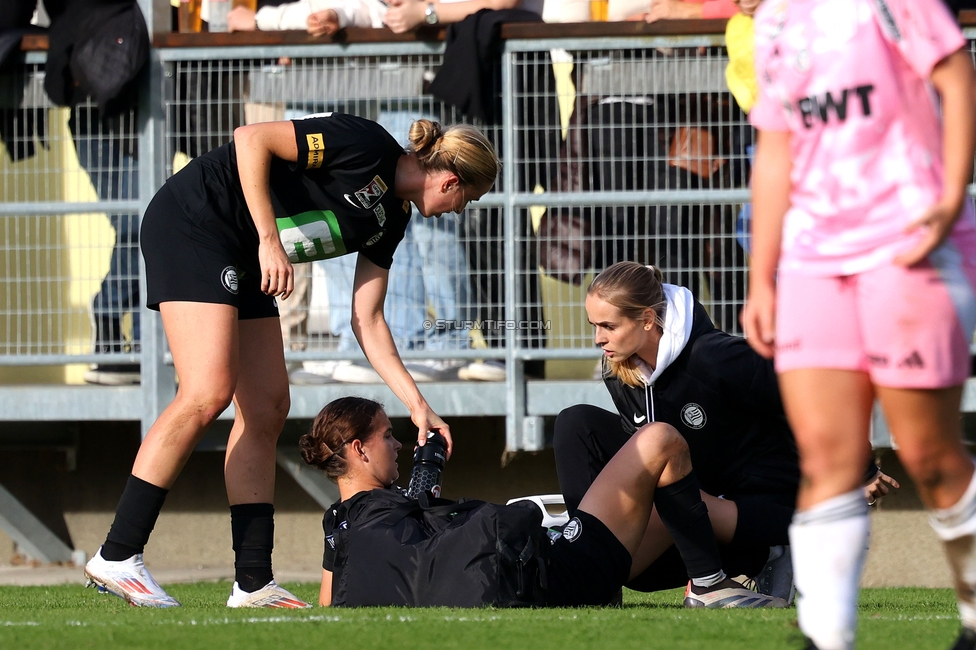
<point>664,362</point>
<point>352,441</point>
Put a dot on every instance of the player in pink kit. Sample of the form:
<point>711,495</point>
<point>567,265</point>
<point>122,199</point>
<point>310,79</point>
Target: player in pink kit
<point>863,273</point>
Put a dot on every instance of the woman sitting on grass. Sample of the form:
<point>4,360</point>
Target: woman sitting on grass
<point>599,550</point>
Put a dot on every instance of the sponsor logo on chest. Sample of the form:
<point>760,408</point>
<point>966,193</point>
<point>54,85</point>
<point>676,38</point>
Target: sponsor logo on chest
<point>316,150</point>
<point>372,193</point>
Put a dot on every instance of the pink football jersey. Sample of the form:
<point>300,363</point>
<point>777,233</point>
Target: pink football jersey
<point>850,81</point>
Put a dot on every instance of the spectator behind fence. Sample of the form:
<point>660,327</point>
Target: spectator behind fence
<point>481,228</point>
<point>469,81</point>
<point>317,17</point>
<point>219,239</point>
<point>635,143</point>
<point>688,10</point>
<point>429,275</point>
<point>646,142</point>
<point>565,11</point>
<point>108,150</point>
<point>102,93</point>
<point>326,17</point>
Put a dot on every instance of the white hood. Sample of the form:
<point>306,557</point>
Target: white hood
<point>678,316</point>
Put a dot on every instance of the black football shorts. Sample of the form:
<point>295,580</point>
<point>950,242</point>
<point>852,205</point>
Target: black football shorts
<point>587,565</point>
<point>198,258</point>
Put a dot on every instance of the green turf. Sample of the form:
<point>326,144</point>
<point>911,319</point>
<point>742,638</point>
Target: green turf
<point>72,617</point>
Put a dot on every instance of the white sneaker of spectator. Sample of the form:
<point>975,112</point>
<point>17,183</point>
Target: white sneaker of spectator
<point>434,369</point>
<point>313,372</point>
<point>270,595</point>
<point>115,374</point>
<point>356,372</point>
<point>129,580</point>
<point>360,372</point>
<point>490,370</point>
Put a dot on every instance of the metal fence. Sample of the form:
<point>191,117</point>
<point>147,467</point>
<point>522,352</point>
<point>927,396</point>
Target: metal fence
<point>613,149</point>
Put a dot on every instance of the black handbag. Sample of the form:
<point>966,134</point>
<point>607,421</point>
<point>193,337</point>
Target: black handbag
<point>98,50</point>
<point>393,550</point>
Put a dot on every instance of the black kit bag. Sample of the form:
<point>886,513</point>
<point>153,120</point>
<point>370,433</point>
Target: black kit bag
<point>399,551</point>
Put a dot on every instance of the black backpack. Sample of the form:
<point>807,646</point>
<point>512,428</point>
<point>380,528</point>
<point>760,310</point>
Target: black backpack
<point>395,550</point>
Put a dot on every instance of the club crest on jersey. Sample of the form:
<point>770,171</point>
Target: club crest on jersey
<point>372,193</point>
<point>316,150</point>
<point>693,416</point>
<point>380,213</point>
<point>572,530</point>
<point>228,278</point>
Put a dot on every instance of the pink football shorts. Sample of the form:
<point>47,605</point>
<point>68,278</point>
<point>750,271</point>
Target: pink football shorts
<point>905,327</point>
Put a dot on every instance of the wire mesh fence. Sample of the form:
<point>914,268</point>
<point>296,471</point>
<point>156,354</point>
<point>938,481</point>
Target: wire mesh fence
<point>613,149</point>
<point>69,229</point>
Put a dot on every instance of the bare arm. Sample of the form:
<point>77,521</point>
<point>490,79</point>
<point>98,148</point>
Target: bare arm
<point>673,10</point>
<point>325,591</point>
<point>953,78</point>
<point>256,145</point>
<point>404,15</point>
<point>241,19</point>
<point>371,329</point>
<point>748,7</point>
<point>770,201</point>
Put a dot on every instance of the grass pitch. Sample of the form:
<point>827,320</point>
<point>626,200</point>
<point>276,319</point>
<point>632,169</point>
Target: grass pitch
<point>72,617</point>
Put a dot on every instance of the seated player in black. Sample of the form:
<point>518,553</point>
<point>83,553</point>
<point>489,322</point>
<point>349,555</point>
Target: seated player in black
<point>352,441</point>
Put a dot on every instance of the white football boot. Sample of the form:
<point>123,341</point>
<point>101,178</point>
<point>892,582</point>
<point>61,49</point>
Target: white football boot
<point>129,580</point>
<point>728,594</point>
<point>270,595</point>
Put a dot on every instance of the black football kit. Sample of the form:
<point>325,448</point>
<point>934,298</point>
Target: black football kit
<point>201,244</point>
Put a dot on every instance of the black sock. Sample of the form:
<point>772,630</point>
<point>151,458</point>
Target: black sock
<point>134,519</point>
<point>685,516</point>
<point>252,528</point>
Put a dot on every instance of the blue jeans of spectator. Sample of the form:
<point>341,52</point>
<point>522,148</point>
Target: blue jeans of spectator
<point>428,277</point>
<point>114,176</point>
<point>423,276</point>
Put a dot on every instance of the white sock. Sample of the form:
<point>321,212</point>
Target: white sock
<point>710,580</point>
<point>956,527</point>
<point>828,543</point>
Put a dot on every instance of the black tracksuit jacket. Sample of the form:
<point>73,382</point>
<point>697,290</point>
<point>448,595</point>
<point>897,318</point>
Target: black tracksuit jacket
<point>724,399</point>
